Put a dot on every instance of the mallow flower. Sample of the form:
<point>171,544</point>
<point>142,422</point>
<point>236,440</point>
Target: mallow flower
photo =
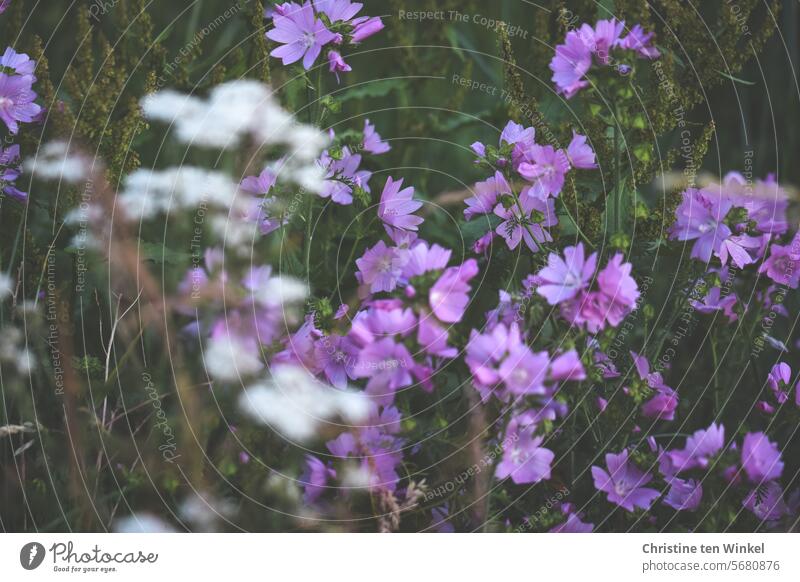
<point>397,206</point>
<point>623,483</point>
<point>301,34</point>
<point>761,458</point>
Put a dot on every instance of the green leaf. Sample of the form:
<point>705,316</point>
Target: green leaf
<point>373,89</point>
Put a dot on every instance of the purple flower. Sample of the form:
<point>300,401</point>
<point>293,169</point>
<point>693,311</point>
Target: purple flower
<point>486,351</point>
<point>342,175</point>
<point>432,337</point>
<point>699,449</point>
<point>20,62</point>
<point>338,10</point>
<point>388,365</point>
<point>780,376</point>
<point>380,267</point>
<point>261,185</point>
<point>336,356</point>
<point>485,195</point>
<point>580,154</point>
<point>4,4</point>
<point>372,140</point>
<point>397,206</point>
<point>449,296</point>
<point>524,372</point>
<point>571,62</point>
<point>662,406</point>
<point>315,478</point>
<point>700,218</point>
<point>783,264</point>
<point>528,222</point>
<point>640,41</point>
<point>9,172</point>
<point>422,258</point>
<point>738,249</point>
<point>624,483</point>
<point>714,301</point>
<point>766,502</point>
<point>301,34</point>
<point>525,461</point>
<point>761,458</point>
<point>337,65</point>
<point>684,495</point>
<point>365,27</point>
<point>16,100</point>
<point>618,289</point>
<point>604,37</point>
<point>563,279</point>
<point>547,170</point>
<point>573,525</point>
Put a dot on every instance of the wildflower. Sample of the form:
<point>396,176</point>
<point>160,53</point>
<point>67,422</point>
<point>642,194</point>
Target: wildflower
<point>336,64</point>
<point>485,195</point>
<point>684,495</point>
<point>604,37</point>
<point>9,172</point>
<point>387,364</point>
<point>16,101</point>
<point>336,356</point>
<point>739,248</point>
<point>662,406</point>
<point>397,206</point>
<point>302,35</point>
<point>365,27</point>
<point>761,458</point>
<point>526,221</point>
<point>573,524</point>
<point>315,478</point>
<point>714,301</point>
<point>546,170</point>
<point>766,502</point>
<point>372,140</point>
<point>619,291</point>
<point>21,63</point>
<point>338,10</point>
<point>524,372</point>
<point>4,4</point>
<point>624,483</point>
<point>640,41</point>
<point>572,60</point>
<point>783,264</point>
<point>298,406</point>
<point>563,279</point>
<point>342,175</point>
<point>700,218</point>
<point>524,460</point>
<point>449,297</point>
<point>380,267</point>
<point>580,154</point>
<point>423,258</point>
<point>699,449</point>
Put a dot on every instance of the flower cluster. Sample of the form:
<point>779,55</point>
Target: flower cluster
<point>528,215</point>
<point>601,45</point>
<point>568,281</point>
<point>304,30</point>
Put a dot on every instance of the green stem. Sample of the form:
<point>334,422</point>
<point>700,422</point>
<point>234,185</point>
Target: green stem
<point>617,178</point>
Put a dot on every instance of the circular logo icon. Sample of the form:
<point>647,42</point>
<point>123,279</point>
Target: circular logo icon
<point>31,555</point>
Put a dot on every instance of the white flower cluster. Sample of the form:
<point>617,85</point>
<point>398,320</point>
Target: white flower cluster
<point>57,161</point>
<point>296,405</point>
<point>232,111</point>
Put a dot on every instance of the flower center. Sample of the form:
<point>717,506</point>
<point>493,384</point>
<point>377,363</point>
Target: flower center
<point>309,39</point>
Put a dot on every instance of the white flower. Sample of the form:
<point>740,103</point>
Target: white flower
<point>6,286</point>
<point>281,291</point>
<point>227,358</point>
<point>142,523</point>
<point>55,161</point>
<point>295,404</point>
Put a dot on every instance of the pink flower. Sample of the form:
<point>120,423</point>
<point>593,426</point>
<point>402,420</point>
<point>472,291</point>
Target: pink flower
<point>547,170</point>
<point>619,290</point>
<point>301,34</point>
<point>524,372</point>
<point>397,206</point>
<point>761,458</point>
<point>372,140</point>
<point>580,154</point>
<point>527,223</point>
<point>562,279</point>
<point>624,483</point>
<point>783,264</point>
<point>336,64</point>
<point>485,195</point>
<point>571,62</point>
<point>380,268</point>
<point>449,297</point>
<point>365,27</point>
